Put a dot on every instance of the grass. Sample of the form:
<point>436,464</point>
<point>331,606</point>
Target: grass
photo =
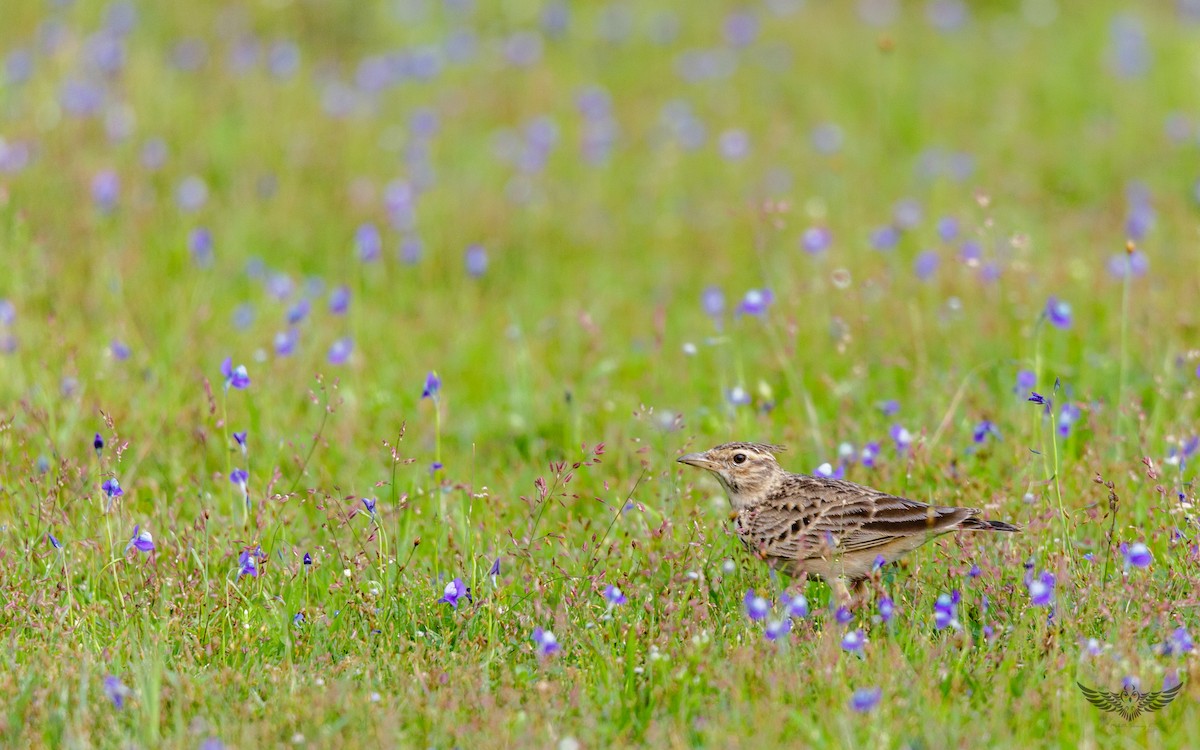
<point>578,365</point>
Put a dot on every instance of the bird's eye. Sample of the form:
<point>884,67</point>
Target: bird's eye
<point>739,458</point>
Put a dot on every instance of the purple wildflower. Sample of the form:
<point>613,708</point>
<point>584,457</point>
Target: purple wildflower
<point>887,609</point>
<point>1179,643</point>
<point>816,240</point>
<point>8,312</point>
<point>235,377</point>
<point>1136,555</point>
<point>869,453</point>
<point>339,300</point>
<point>53,541</point>
<point>926,265</point>
<point>454,591</point>
<point>947,228</point>
<point>902,437</point>
<point>116,691</point>
<point>797,606</point>
<point>1041,590</point>
<point>369,503</point>
<point>756,606</point>
<point>890,408</point>
<point>945,611</point>
<point>433,384</point>
<point>298,311</point>
<point>614,596</point>
<point>865,699</point>
<point>142,541</point>
<point>974,572</point>
<point>777,629</point>
<point>340,350</point>
<point>200,245</point>
<point>983,429</point>
<point>368,242</point>
<point>1133,265</point>
<point>843,615</point>
<point>119,350</point>
<point>476,260</point>
<point>1037,398</point>
<point>885,238</point>
<point>191,193</point>
<point>239,477</point>
<point>1058,312</point>
<point>240,439</point>
<point>1026,380</point>
<point>1093,647</point>
<point>247,564</point>
<point>298,619</point>
<point>853,641</point>
<point>307,560</point>
<point>713,300</point>
<point>285,342</point>
<point>98,444</point>
<point>826,470</point>
<point>106,187</point>
<point>906,214</point>
<point>738,396</point>
<point>1068,415</point>
<point>756,302</point>
<point>112,488</point>
<point>545,642</point>
<point>734,144</point>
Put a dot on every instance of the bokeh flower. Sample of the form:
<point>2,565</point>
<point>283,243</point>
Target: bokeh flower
<point>116,691</point>
<point>1058,312</point>
<point>865,699</point>
<point>545,642</point>
<point>1137,555</point>
<point>756,606</point>
<point>247,564</point>
<point>340,351</point>
<point>853,641</point>
<point>777,629</point>
<point>98,444</point>
<point>797,606</point>
<point>1041,590</point>
<point>755,302</point>
<point>614,596</point>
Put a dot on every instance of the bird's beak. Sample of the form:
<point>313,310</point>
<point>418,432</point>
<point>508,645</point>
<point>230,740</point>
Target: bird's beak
<point>697,459</point>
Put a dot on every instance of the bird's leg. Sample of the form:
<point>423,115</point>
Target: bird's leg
<point>841,593</point>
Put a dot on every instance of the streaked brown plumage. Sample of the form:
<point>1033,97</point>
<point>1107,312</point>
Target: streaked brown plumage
<point>826,527</point>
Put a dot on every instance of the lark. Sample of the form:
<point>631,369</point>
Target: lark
<point>820,526</point>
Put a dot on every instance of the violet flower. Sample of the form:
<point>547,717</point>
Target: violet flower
<point>454,591</point>
<point>756,606</point>
<point>235,377</point>
<point>614,596</point>
<point>865,699</point>
<point>433,384</point>
<point>545,642</point>
<point>142,541</point>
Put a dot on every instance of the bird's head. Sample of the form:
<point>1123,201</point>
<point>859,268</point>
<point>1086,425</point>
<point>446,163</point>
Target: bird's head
<point>744,469</point>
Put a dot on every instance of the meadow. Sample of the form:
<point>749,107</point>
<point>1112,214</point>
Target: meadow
<point>346,350</point>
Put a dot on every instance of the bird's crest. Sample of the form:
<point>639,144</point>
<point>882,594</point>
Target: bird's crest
<point>1129,703</point>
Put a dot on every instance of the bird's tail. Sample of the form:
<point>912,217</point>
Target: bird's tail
<point>983,524</point>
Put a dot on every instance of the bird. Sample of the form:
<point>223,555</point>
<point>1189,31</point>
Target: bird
<point>831,528</point>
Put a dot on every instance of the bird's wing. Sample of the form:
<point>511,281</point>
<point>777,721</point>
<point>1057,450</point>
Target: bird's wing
<point>1102,699</point>
<point>1155,701</point>
<point>809,515</point>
